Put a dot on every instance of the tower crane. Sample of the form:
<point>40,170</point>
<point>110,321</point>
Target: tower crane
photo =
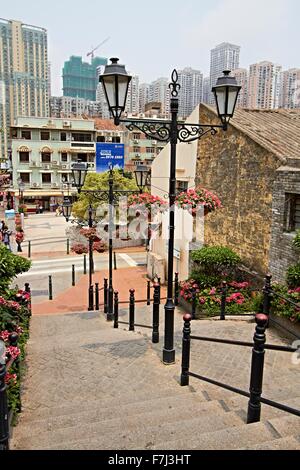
<point>91,53</point>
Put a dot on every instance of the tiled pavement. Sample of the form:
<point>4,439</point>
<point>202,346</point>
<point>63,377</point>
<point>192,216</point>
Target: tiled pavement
<point>89,386</point>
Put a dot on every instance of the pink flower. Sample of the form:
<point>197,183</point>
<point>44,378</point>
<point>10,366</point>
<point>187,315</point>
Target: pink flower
<point>213,291</point>
<point>4,335</point>
<point>13,352</point>
<point>10,377</point>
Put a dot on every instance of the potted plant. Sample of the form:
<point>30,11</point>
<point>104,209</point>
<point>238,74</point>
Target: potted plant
<point>193,199</point>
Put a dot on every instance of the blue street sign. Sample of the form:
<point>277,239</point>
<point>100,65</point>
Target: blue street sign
<point>109,154</point>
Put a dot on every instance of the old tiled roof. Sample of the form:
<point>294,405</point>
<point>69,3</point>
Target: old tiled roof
<point>105,125</point>
<point>276,130</point>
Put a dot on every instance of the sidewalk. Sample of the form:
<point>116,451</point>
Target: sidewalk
<point>75,299</point>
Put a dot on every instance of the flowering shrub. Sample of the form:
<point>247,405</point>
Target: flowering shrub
<point>79,248</point>
<point>280,306</point>
<point>99,246</point>
<point>147,203</point>
<point>192,199</point>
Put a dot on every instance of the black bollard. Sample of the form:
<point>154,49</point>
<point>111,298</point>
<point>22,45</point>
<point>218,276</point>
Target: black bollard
<point>186,349</point>
<point>68,246</point>
<point>97,303</point>
<point>105,295</point>
<point>27,287</point>
<point>194,303</point>
<point>257,369</point>
<point>4,425</point>
<point>155,321</point>
<point>159,283</point>
<point>91,298</point>
<point>84,264</point>
<point>223,301</point>
<point>148,293</point>
<point>73,275</point>
<point>267,296</point>
<point>131,310</point>
<point>50,288</point>
<point>29,249</point>
<point>115,261</point>
<point>176,290</point>
<point>116,310</point>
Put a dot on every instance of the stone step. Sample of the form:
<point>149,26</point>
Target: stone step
<point>238,437</point>
<point>142,432</point>
<point>180,406</point>
<point>285,443</point>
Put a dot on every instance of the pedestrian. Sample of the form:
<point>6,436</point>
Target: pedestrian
<point>19,239</point>
<point>41,209</point>
<point>6,237</point>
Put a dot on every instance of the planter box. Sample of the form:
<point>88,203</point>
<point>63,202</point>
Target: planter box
<point>286,326</point>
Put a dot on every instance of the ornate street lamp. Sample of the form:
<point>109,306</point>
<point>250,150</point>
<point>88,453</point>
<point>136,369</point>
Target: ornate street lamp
<point>226,94</point>
<point>141,177</point>
<point>21,186</point>
<point>79,172</point>
<point>115,81</point>
<point>67,208</point>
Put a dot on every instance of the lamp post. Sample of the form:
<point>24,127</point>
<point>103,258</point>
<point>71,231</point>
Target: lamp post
<point>21,186</point>
<point>115,81</point>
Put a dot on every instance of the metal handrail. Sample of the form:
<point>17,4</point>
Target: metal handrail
<point>272,347</point>
<point>285,298</point>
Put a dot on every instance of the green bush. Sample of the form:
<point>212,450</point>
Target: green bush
<point>204,280</point>
<point>10,266</point>
<point>293,276</point>
<point>296,241</point>
<point>215,262</point>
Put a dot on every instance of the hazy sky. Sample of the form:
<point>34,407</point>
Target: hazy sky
<point>152,37</point>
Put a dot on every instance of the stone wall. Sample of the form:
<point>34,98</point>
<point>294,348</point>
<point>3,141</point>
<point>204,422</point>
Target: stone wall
<point>282,253</point>
<point>242,174</point>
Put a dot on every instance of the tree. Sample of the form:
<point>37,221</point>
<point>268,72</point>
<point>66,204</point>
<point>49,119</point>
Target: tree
<point>96,181</point>
<point>10,266</point>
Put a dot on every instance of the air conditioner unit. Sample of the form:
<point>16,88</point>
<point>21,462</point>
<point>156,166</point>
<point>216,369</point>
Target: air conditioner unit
<point>33,163</point>
<point>54,185</point>
<point>66,123</point>
<point>135,141</point>
<point>46,167</point>
<point>154,142</point>
<point>108,139</point>
<point>54,162</point>
<point>64,167</point>
<point>35,185</point>
<point>65,186</point>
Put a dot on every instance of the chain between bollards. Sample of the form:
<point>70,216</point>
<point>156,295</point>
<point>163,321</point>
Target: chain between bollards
<point>186,349</point>
<point>257,369</point>
<point>131,310</point>
<point>50,288</point>
<point>116,310</point>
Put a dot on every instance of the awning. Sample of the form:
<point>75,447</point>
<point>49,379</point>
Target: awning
<point>40,193</point>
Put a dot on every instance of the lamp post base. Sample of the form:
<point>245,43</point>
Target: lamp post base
<point>169,356</point>
<point>110,317</point>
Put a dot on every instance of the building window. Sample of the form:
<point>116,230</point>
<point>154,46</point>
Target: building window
<point>45,135</point>
<point>64,157</point>
<point>136,149</point>
<point>46,178</point>
<point>100,138</point>
<point>25,177</point>
<point>292,212</point>
<point>24,157</point>
<point>79,137</point>
<point>26,135</point>
<point>63,136</point>
<point>116,139</point>
<point>46,157</point>
<point>181,186</point>
<point>136,136</point>
<point>150,150</point>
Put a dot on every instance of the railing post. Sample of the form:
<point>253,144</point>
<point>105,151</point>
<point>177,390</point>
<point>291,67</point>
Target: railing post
<point>91,299</point>
<point>68,246</point>
<point>148,293</point>
<point>115,261</point>
<point>13,341</point>
<point>186,349</point>
<point>50,288</point>
<point>176,290</point>
<point>105,296</point>
<point>257,369</point>
<point>155,321</point>
<point>116,310</point>
<point>84,265</point>
<point>4,425</point>
<point>194,303</point>
<point>131,310</point>
<point>159,283</point>
<point>29,249</point>
<point>73,275</point>
<point>97,303</point>
<point>223,300</point>
<point>27,287</point>
<point>267,296</point>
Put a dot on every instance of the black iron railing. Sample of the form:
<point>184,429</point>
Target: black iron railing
<point>258,346</point>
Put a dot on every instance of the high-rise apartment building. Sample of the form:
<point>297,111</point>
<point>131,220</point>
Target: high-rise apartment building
<point>241,76</point>
<point>132,103</point>
<point>80,79</point>
<point>191,92</point>
<point>23,75</point>
<point>206,90</point>
<point>225,56</point>
<point>290,89</point>
<point>144,89</point>
<point>68,107</point>
<point>159,91</point>
<point>264,85</point>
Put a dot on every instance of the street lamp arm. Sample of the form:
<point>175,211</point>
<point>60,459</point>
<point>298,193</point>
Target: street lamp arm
<point>190,132</point>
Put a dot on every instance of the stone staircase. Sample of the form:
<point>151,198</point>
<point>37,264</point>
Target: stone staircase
<point>89,386</point>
